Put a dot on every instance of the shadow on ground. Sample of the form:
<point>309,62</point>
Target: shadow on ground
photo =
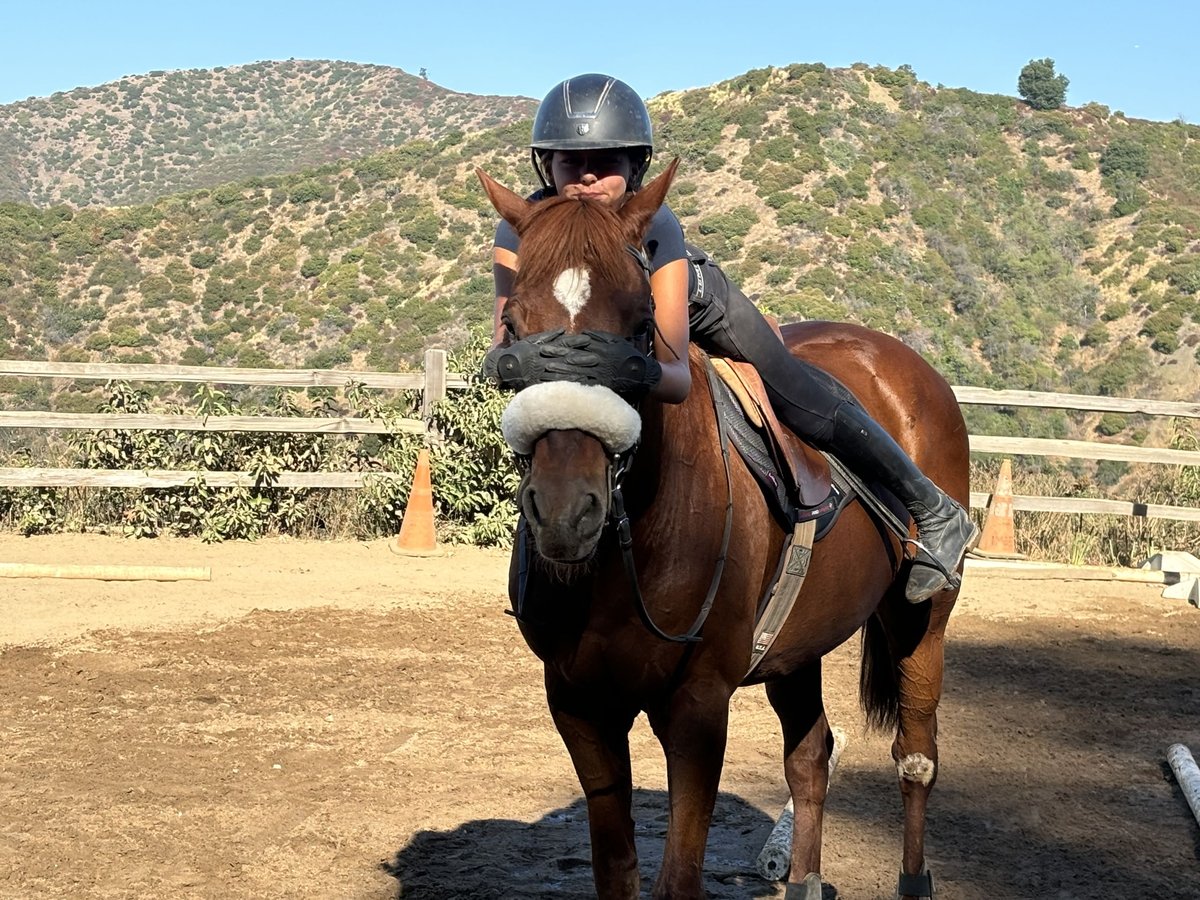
<point>504,858</point>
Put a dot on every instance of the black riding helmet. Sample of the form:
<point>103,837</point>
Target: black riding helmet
<point>592,112</point>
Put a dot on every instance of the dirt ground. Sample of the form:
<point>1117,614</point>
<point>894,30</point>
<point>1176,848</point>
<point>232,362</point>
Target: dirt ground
<point>331,720</point>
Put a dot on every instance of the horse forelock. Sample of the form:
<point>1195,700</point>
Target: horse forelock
<point>563,234</point>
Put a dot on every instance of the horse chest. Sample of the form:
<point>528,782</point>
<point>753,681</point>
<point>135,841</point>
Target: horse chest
<point>621,661</point>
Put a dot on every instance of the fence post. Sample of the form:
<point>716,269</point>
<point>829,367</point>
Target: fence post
<point>435,385</point>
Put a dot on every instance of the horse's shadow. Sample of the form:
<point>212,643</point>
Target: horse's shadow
<point>506,858</point>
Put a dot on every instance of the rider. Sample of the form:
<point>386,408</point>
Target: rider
<point>592,139</point>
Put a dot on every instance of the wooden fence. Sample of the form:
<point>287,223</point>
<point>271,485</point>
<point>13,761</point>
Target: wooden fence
<point>1011,446</point>
<point>435,381</point>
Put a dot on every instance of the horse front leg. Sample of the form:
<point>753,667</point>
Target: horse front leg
<point>598,743</point>
<point>693,729</point>
<point>807,744</point>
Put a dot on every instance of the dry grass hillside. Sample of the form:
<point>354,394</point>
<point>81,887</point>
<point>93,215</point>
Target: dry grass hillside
<point>147,136</point>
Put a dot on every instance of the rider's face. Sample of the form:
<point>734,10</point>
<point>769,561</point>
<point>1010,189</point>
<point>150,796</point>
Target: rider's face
<point>601,175</point>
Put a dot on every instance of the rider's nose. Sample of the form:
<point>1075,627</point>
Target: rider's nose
<point>589,178</point>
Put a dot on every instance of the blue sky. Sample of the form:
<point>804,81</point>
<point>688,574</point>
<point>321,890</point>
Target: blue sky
<point>1133,57</point>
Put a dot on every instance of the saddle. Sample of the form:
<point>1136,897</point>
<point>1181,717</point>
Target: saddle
<point>796,479</point>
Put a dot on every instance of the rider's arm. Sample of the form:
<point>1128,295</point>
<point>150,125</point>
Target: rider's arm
<point>504,270</point>
<point>670,287</point>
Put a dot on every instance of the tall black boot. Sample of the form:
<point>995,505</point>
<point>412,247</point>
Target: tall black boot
<point>945,531</point>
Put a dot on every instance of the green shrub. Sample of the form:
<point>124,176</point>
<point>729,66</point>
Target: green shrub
<point>314,266</point>
<point>1125,155</point>
<point>307,191</point>
<point>203,259</point>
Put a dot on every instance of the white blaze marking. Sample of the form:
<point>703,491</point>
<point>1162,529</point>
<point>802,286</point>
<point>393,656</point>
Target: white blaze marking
<point>572,288</point>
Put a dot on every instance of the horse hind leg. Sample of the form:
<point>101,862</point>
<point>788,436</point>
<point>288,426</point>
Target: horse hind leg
<point>919,686</point>
<point>807,745</point>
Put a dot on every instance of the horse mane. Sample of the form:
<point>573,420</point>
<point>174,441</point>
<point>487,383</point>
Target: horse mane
<point>562,233</point>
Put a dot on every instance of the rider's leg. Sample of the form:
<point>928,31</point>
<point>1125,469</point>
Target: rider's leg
<point>813,408</point>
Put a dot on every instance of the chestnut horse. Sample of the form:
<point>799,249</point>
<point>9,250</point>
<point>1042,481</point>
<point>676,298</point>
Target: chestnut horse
<point>578,604</point>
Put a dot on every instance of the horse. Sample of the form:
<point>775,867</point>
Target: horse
<point>645,549</point>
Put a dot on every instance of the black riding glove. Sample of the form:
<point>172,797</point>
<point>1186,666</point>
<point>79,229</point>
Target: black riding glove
<point>592,357</point>
<point>515,366</point>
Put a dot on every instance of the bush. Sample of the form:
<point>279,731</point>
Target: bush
<point>314,266</point>
<point>306,192</point>
<point>1125,155</point>
<point>203,259</point>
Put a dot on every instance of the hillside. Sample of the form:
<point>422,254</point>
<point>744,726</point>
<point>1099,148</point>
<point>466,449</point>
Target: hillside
<point>1013,248</point>
<point>147,136</point>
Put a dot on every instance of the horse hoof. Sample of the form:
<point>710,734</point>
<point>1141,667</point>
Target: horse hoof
<point>808,889</point>
<point>915,885</point>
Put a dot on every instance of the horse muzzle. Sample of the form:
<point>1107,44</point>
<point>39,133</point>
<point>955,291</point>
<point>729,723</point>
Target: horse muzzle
<point>568,433</point>
<point>565,515</point>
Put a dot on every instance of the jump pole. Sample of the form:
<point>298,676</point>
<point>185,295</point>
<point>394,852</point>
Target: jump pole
<point>106,573</point>
<point>1187,774</point>
<point>776,856</point>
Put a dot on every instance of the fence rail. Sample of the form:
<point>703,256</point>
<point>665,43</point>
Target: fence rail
<point>1082,450</point>
<point>168,478</point>
<point>435,381</point>
<point>1082,402</point>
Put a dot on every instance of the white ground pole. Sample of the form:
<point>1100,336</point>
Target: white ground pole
<point>776,856</point>
<point>1187,774</point>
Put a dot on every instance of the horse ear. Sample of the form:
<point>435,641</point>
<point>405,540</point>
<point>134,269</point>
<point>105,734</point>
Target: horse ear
<point>641,207</point>
<point>512,207</point>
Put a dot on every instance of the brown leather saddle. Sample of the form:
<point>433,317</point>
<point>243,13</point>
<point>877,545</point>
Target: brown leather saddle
<point>807,503</point>
<point>806,471</point>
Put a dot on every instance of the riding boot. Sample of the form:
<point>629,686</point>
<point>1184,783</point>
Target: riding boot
<point>945,531</point>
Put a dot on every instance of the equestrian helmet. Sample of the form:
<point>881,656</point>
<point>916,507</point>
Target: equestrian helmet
<point>593,112</point>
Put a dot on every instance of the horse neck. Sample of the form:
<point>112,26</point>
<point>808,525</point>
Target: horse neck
<point>677,440</point>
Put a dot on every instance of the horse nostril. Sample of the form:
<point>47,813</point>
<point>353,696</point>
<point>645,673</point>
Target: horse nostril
<point>593,508</point>
<point>531,508</point>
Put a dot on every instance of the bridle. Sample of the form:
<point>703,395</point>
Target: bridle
<point>618,466</point>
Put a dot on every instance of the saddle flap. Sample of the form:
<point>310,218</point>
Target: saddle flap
<point>807,469</point>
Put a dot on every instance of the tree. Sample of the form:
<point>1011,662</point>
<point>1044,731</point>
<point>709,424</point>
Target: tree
<point>1040,87</point>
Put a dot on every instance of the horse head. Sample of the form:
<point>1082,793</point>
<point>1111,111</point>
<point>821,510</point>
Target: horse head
<point>579,321</point>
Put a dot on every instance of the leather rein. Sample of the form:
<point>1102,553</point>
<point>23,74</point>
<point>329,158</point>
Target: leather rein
<point>621,523</point>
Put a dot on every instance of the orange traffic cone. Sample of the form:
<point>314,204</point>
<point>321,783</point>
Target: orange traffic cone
<point>998,537</point>
<point>417,535</point>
